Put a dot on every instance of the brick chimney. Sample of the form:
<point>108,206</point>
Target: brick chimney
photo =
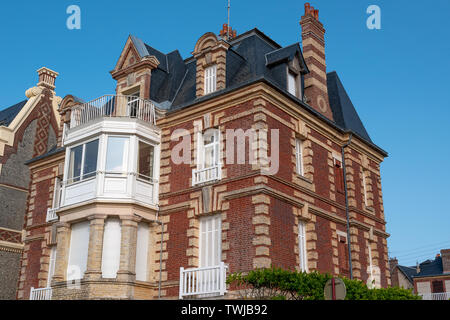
<point>47,78</point>
<point>445,254</point>
<point>224,32</point>
<point>393,262</point>
<point>313,42</point>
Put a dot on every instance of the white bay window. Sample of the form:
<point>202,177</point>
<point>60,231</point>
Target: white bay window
<point>83,161</point>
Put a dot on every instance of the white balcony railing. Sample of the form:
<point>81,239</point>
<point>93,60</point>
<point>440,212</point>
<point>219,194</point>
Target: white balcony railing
<point>113,106</point>
<point>41,294</point>
<point>210,281</point>
<point>51,214</point>
<point>206,175</point>
<point>436,296</point>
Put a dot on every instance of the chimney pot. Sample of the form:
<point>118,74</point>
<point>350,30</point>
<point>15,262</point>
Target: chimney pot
<point>47,78</point>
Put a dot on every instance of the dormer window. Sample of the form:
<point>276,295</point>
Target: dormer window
<point>210,79</point>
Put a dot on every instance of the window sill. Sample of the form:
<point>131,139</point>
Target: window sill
<point>303,178</point>
<point>370,209</point>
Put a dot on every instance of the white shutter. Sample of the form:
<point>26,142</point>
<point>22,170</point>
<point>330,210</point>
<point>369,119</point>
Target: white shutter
<point>210,79</point>
<point>302,246</point>
<point>142,251</point>
<point>111,248</point>
<point>210,241</point>
<point>292,84</point>
<point>51,267</point>
<point>79,246</point>
<point>200,151</point>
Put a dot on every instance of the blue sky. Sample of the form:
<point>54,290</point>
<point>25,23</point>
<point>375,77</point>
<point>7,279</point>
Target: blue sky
<point>397,78</point>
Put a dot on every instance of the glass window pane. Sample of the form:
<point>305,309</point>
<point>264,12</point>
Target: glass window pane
<point>145,161</point>
<point>292,84</point>
<point>76,155</point>
<point>115,154</point>
<point>90,159</point>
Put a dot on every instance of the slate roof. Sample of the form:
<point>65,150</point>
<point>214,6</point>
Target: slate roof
<point>7,115</point>
<point>428,268</point>
<point>252,57</point>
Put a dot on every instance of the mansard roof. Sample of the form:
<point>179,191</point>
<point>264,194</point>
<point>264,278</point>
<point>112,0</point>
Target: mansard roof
<point>252,57</point>
<point>7,115</point>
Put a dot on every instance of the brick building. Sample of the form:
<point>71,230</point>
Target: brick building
<point>429,279</point>
<point>27,129</point>
<point>165,187</point>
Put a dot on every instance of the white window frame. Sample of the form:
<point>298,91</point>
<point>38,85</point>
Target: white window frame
<point>210,79</point>
<point>154,173</point>
<point>302,246</point>
<point>364,182</point>
<point>69,179</point>
<point>125,154</point>
<point>210,226</point>
<point>292,83</point>
<point>299,156</point>
<point>202,174</point>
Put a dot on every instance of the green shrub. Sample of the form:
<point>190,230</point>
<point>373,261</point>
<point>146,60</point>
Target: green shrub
<point>279,284</point>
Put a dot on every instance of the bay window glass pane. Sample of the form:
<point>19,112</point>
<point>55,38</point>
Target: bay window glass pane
<point>116,154</point>
<point>145,161</point>
<point>90,159</point>
<point>76,156</point>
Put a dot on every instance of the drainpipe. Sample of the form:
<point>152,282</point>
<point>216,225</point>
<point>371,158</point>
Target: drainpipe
<point>160,255</point>
<point>346,206</point>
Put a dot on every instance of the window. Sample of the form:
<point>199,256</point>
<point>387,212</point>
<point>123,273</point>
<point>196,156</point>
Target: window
<point>142,251</point>
<point>83,161</point>
<point>116,155</point>
<point>51,267</point>
<point>437,286</point>
<point>210,241</point>
<point>299,156</point>
<point>343,255</point>
<point>57,194</point>
<point>293,84</point>
<point>338,176</point>
<point>364,182</point>
<point>145,161</point>
<point>133,103</point>
<point>210,79</point>
<point>302,247</point>
<point>111,248</point>
<point>78,253</point>
<point>208,155</point>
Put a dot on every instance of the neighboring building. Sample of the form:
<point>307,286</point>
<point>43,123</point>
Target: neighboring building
<point>141,198</point>
<point>430,279</point>
<point>27,129</point>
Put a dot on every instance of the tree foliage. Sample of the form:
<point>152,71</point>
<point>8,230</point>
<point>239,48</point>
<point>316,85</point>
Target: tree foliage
<point>279,284</point>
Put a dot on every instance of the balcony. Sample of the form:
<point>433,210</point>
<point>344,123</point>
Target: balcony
<point>112,106</point>
<point>51,214</point>
<point>444,296</point>
<point>41,294</point>
<point>200,176</point>
<point>203,282</point>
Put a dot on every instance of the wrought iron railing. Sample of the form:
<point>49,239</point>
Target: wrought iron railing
<point>113,106</point>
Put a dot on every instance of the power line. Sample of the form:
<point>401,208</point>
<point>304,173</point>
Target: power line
<point>428,245</point>
<point>424,251</point>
